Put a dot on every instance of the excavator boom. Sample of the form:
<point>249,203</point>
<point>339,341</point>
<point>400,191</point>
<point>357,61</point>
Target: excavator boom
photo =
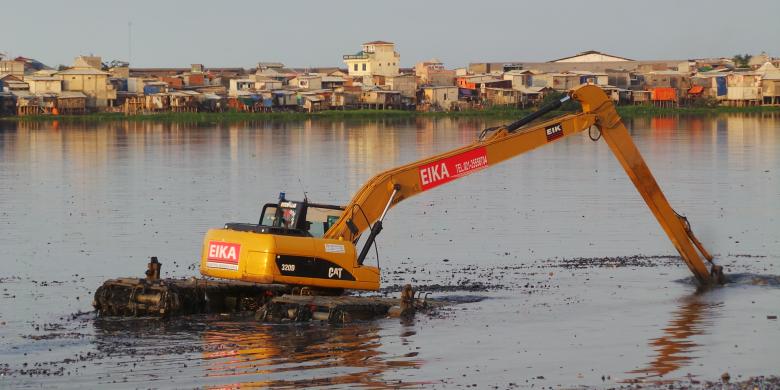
<point>390,187</point>
<point>297,243</point>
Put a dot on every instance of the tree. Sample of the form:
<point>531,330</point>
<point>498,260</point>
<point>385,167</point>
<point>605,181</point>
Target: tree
<point>742,60</point>
<point>571,105</point>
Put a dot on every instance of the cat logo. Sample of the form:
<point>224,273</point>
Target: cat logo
<point>334,271</point>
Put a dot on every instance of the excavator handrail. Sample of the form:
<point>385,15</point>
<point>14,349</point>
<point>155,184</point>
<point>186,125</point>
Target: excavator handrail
<point>394,185</point>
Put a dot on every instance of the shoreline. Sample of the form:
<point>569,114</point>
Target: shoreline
<point>498,113</point>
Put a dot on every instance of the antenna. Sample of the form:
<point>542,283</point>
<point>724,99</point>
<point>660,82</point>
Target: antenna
<point>129,43</point>
<point>305,195</point>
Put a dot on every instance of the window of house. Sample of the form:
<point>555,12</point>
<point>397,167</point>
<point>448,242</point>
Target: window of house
<point>364,66</point>
<point>355,67</point>
<point>380,64</point>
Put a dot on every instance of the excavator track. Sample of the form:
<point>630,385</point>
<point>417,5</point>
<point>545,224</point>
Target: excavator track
<point>152,296</point>
<point>130,297</point>
<point>165,298</point>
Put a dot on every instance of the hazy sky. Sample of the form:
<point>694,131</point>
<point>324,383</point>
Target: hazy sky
<point>316,33</point>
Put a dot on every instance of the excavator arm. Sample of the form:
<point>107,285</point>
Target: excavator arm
<point>369,206</point>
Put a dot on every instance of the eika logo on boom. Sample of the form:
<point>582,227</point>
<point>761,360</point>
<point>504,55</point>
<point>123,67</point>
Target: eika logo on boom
<point>434,173</point>
<point>553,132</point>
<point>450,168</point>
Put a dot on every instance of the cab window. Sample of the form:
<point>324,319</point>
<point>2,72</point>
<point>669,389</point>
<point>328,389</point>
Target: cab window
<point>321,219</point>
<point>269,215</point>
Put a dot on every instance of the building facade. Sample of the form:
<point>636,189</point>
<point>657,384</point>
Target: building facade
<point>376,58</point>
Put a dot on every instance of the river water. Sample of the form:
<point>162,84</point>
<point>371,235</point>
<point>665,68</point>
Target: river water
<point>583,286</point>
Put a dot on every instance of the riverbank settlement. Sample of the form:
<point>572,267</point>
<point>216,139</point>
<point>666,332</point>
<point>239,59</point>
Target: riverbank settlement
<point>373,78</point>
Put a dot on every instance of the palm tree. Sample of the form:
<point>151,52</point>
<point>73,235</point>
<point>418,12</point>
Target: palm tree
<point>742,60</point>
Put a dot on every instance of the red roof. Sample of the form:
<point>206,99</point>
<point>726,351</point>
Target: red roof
<point>378,43</point>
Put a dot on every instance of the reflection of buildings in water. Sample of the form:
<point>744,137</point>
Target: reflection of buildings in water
<point>663,126</point>
<point>675,348</point>
<point>372,147</point>
<point>257,355</point>
<point>435,135</point>
<point>750,129</point>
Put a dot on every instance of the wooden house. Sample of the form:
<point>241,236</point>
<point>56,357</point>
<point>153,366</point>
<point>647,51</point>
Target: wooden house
<point>284,99</point>
<point>71,103</point>
<point>184,101</point>
<point>503,96</point>
<point>345,97</point>
<point>132,103</point>
<point>680,81</point>
<point>44,84</point>
<point>744,89</point>
<point>306,81</point>
<point>11,83</point>
<point>533,96</point>
<point>312,102</point>
<point>770,89</point>
<point>35,104</point>
<point>641,97</point>
<point>241,85</point>
<point>557,81</point>
<point>520,78</point>
<point>158,102</point>
<point>405,84</point>
<point>7,103</point>
<point>379,99</point>
<point>332,82</point>
<point>267,84</point>
<point>437,98</point>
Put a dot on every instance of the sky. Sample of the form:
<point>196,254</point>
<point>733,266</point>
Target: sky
<point>317,33</point>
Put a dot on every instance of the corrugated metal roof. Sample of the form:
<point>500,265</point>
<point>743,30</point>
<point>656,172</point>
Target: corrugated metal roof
<point>771,76</point>
<point>72,95</point>
<point>83,71</point>
<point>332,79</point>
<point>584,53</point>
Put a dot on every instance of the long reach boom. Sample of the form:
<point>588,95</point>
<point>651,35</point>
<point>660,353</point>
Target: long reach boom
<point>388,188</point>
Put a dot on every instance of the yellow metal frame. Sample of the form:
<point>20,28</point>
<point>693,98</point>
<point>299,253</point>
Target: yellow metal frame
<point>498,146</point>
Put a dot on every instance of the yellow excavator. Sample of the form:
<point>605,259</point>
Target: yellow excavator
<point>299,248</point>
<point>314,245</point>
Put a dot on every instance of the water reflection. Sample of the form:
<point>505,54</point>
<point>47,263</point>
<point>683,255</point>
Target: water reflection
<point>244,353</point>
<point>676,348</point>
<point>318,355</point>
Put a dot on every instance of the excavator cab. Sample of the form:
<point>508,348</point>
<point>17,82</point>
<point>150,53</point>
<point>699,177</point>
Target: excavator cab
<point>292,218</point>
<point>287,246</point>
<point>300,216</point>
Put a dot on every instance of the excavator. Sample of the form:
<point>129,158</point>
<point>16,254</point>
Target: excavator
<point>301,246</point>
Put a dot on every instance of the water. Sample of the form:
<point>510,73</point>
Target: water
<point>84,203</point>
